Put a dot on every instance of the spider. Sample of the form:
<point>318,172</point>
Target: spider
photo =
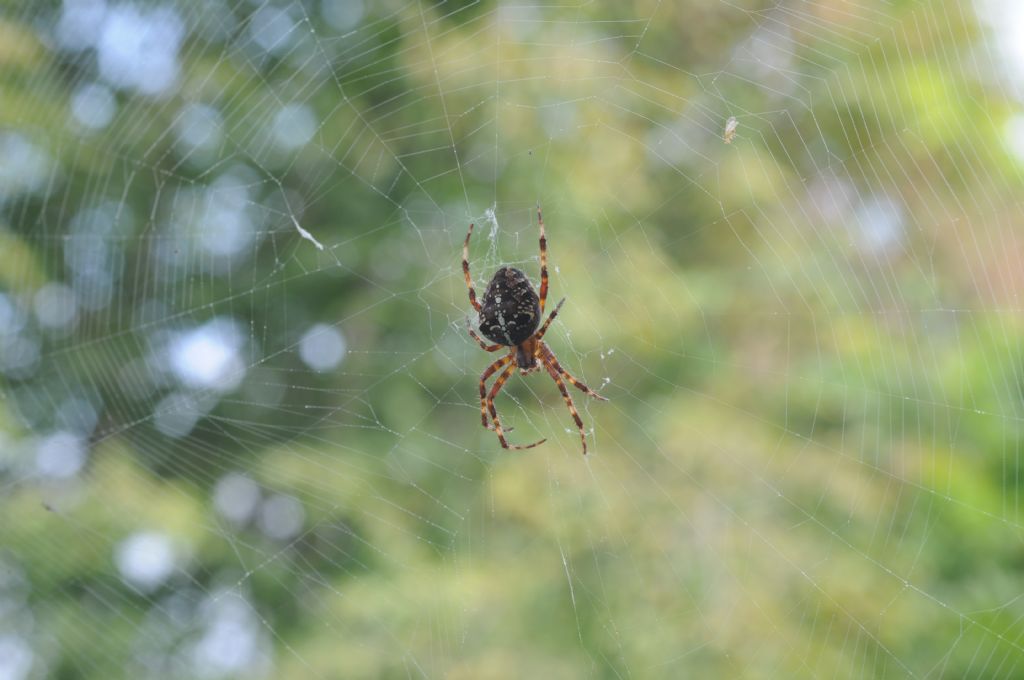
<point>509,316</point>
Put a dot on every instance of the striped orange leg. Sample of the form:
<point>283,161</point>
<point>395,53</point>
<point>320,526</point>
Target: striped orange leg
<point>543,262</point>
<point>483,345</point>
<point>549,359</point>
<point>568,400</point>
<point>494,412</point>
<point>465,270</point>
<point>491,370</point>
<point>544,329</point>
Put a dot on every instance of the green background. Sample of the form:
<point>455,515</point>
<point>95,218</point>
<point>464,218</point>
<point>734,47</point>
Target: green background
<point>810,463</point>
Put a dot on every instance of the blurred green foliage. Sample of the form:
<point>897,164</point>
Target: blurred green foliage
<point>810,465</point>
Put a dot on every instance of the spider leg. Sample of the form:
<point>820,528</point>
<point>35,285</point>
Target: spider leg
<point>465,270</point>
<point>491,370</point>
<point>494,412</point>
<point>483,345</point>
<point>546,360</point>
<point>554,312</point>
<point>549,359</point>
<point>543,261</point>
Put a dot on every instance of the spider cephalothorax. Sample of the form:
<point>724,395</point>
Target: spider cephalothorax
<point>509,317</point>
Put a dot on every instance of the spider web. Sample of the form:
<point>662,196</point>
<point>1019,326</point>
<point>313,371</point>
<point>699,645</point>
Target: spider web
<point>240,432</point>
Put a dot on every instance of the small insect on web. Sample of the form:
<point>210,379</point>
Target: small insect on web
<point>509,314</point>
<point>730,129</point>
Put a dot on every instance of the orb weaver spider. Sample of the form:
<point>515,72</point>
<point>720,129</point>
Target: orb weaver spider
<point>508,317</point>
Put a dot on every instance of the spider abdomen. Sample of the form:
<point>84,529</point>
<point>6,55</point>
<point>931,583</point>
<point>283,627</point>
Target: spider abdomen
<point>510,309</point>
